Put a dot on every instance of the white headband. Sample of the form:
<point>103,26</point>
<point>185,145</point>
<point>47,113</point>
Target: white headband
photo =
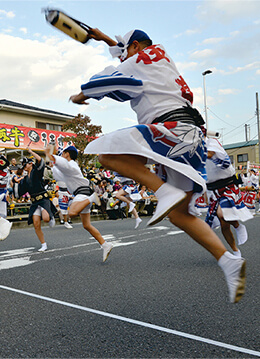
<point>120,50</point>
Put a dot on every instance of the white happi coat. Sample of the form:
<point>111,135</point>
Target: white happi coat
<point>153,85</point>
<point>70,173</point>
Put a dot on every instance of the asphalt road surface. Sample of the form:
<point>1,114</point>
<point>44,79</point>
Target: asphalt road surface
<point>159,295</point>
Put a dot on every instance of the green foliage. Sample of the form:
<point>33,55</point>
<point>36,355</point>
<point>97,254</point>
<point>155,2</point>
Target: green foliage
<point>86,132</point>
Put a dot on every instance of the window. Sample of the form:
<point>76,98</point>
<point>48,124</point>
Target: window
<point>231,158</point>
<point>51,126</point>
<point>48,126</point>
<point>41,125</point>
<point>242,158</point>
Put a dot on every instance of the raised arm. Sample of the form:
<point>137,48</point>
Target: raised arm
<point>98,35</point>
<point>34,154</point>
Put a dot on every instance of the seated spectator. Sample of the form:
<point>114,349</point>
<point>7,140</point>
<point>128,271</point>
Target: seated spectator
<point>113,207</point>
<point>117,185</point>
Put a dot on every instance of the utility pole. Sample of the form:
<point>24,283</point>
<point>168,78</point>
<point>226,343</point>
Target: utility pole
<point>258,126</point>
<point>207,72</point>
<point>246,132</point>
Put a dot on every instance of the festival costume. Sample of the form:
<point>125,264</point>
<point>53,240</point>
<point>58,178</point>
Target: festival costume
<point>249,197</point>
<point>167,133</point>
<point>222,183</point>
<point>4,182</point>
<point>34,185</point>
<point>70,173</point>
<point>5,226</point>
<point>64,197</point>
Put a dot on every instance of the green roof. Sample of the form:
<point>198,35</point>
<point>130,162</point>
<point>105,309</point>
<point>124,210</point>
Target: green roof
<point>241,144</point>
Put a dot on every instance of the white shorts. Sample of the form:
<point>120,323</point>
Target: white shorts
<point>38,211</point>
<point>178,180</point>
<point>80,198</point>
<point>64,211</point>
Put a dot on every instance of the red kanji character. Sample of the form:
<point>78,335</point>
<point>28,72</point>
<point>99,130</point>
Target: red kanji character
<point>185,91</point>
<point>151,54</point>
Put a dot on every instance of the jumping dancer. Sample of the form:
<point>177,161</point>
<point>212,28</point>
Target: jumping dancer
<point>66,169</point>
<point>128,194</point>
<point>168,134</point>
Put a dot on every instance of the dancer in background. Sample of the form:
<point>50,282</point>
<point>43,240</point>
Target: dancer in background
<point>66,169</point>
<point>5,225</point>
<point>64,198</point>
<point>225,199</point>
<point>129,194</point>
<point>250,189</point>
<point>41,208</point>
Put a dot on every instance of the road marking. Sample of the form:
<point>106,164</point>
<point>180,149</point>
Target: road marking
<point>17,262</point>
<point>21,257</point>
<point>136,322</point>
<point>16,252</point>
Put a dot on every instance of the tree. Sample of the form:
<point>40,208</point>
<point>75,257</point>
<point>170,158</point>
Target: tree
<point>86,132</point>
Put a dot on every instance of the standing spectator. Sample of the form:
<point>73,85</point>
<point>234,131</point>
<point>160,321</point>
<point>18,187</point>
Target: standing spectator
<point>13,167</point>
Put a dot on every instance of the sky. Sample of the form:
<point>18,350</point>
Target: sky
<point>42,67</point>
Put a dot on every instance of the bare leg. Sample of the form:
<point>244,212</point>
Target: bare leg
<point>226,230</point>
<point>196,228</point>
<point>121,195</point>
<point>45,216</point>
<point>61,216</point>
<point>85,219</point>
<point>77,207</point>
<point>38,229</point>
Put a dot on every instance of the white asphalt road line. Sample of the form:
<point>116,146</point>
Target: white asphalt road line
<point>137,322</point>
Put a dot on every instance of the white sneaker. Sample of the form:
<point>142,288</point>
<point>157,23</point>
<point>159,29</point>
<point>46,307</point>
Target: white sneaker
<point>5,228</point>
<point>137,222</point>
<point>131,207</point>
<point>237,254</point>
<point>107,248</point>
<point>94,198</point>
<point>43,247</point>
<point>241,233</point>
<point>52,222</point>
<point>169,197</point>
<point>234,269</point>
<point>67,225</point>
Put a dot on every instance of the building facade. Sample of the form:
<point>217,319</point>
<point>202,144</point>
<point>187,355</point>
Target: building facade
<point>241,153</point>
<point>21,125</point>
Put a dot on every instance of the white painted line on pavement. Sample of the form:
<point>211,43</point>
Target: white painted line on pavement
<point>136,322</point>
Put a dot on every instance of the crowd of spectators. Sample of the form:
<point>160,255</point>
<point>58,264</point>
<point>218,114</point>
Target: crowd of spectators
<point>104,182</point>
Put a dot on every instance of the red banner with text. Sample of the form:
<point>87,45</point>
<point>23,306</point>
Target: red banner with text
<point>20,137</point>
